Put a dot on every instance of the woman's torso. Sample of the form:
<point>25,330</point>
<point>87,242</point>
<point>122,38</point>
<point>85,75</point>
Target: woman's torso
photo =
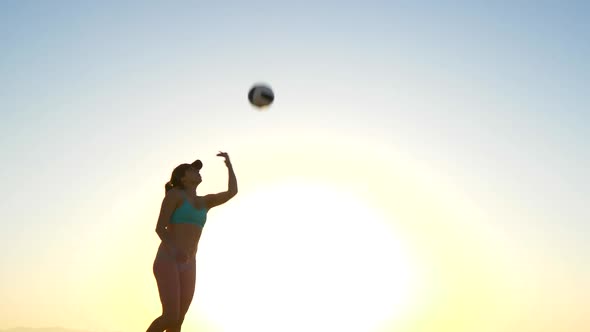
<point>186,234</point>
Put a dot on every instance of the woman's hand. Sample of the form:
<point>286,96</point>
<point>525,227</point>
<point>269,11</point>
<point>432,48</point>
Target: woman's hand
<point>226,157</point>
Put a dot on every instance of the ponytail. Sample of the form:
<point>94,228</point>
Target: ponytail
<point>168,186</point>
<point>177,174</point>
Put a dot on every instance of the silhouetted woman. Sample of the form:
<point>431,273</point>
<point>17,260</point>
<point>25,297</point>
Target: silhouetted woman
<point>180,224</point>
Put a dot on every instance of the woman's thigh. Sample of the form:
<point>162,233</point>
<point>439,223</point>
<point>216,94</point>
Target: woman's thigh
<point>168,280</point>
<point>187,274</point>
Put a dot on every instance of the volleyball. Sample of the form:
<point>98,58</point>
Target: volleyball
<point>261,95</point>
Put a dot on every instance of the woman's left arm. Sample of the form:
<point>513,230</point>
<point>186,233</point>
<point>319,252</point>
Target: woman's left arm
<point>213,200</point>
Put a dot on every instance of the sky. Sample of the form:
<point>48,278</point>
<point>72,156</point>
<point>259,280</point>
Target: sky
<point>427,159</point>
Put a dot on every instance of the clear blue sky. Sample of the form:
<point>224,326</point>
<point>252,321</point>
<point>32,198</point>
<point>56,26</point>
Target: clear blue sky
<point>99,100</point>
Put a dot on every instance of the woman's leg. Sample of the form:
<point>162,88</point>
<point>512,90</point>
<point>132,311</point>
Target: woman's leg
<point>167,278</point>
<point>187,274</point>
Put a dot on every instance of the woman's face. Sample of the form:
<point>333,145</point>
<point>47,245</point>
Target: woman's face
<point>192,177</point>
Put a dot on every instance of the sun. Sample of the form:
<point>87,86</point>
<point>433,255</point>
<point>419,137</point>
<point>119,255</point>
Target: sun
<point>301,257</point>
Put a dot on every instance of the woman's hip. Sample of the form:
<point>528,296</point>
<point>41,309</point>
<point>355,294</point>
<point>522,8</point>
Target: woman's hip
<point>173,257</point>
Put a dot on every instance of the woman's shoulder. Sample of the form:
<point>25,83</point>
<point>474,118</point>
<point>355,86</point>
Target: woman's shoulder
<point>202,202</point>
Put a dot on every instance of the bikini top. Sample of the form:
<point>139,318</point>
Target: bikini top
<point>188,214</point>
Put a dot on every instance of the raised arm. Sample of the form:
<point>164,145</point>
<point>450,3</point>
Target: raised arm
<point>213,200</point>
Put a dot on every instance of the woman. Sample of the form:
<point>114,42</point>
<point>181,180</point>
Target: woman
<point>180,224</point>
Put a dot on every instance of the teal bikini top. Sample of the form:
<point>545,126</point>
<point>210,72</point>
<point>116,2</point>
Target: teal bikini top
<point>188,214</point>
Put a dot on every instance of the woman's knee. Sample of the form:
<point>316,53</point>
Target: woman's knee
<point>171,319</point>
<point>179,321</point>
<point>175,325</point>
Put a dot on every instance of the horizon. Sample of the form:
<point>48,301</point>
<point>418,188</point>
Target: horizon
<point>47,329</point>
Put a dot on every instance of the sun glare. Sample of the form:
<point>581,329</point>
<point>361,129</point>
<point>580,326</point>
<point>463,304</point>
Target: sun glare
<point>301,257</point>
